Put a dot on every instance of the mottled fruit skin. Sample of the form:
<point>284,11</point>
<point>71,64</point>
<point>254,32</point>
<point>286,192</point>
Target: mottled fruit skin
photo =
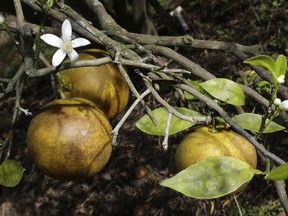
<point>69,139</point>
<point>202,143</point>
<point>103,85</point>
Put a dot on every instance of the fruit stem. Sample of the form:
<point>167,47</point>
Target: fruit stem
<point>213,129</point>
<point>60,84</point>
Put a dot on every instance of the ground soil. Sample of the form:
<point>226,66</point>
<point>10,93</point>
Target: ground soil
<point>117,189</point>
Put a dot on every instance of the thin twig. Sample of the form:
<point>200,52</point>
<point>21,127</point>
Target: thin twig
<point>105,20</point>
<point>200,119</point>
<point>281,191</point>
<point>9,140</point>
<point>5,26</point>
<point>188,41</point>
<point>13,80</point>
<point>124,118</point>
<point>167,128</point>
<point>82,63</point>
<point>135,92</point>
<point>26,42</point>
<point>97,62</point>
<point>19,12</point>
<point>139,64</point>
<point>4,80</point>
<point>238,206</point>
<point>12,25</point>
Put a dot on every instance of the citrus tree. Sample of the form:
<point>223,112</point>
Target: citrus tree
<point>217,157</point>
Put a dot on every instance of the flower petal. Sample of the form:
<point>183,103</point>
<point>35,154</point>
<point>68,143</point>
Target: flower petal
<point>58,57</point>
<point>66,30</point>
<point>73,55</point>
<point>78,42</point>
<point>52,40</point>
<point>284,105</point>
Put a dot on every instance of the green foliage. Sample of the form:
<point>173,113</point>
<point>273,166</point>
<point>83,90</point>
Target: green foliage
<point>45,4</point>
<point>10,173</point>
<point>248,77</point>
<point>279,173</point>
<point>264,86</point>
<point>225,90</point>
<point>252,122</point>
<point>212,177</point>
<point>264,61</point>
<point>276,68</point>
<point>268,208</point>
<point>196,85</point>
<point>278,3</point>
<point>280,66</point>
<point>146,125</point>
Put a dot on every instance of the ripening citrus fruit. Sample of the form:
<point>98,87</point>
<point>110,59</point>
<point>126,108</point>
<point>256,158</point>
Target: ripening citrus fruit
<point>202,143</point>
<point>103,85</point>
<point>69,139</point>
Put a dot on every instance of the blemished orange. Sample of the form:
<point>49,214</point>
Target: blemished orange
<point>202,143</point>
<point>69,139</point>
<point>103,85</point>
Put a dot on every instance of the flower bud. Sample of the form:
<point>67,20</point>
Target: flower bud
<point>284,105</point>
<point>277,101</point>
<point>281,79</point>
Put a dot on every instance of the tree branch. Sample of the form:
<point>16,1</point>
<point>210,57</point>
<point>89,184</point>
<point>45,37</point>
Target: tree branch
<point>201,72</point>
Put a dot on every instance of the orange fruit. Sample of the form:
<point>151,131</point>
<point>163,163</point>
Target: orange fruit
<point>202,143</point>
<point>103,85</point>
<point>69,139</point>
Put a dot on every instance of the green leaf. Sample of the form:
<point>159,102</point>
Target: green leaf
<point>264,61</point>
<point>161,114</point>
<point>264,86</point>
<point>279,173</point>
<point>211,178</point>
<point>280,66</point>
<point>225,90</point>
<point>10,173</point>
<point>252,122</point>
<point>195,84</point>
